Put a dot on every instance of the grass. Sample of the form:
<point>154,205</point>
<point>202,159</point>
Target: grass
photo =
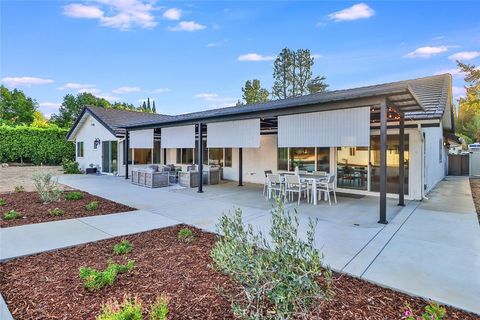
<point>92,206</point>
<point>185,235</point>
<point>96,280</point>
<point>74,195</point>
<point>56,212</point>
<point>123,247</point>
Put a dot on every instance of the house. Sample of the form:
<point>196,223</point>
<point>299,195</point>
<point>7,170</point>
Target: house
<point>355,134</point>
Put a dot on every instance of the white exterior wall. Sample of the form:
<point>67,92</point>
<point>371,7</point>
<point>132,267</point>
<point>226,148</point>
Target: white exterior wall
<point>90,130</point>
<point>434,169</point>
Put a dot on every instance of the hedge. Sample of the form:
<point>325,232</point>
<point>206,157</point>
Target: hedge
<point>35,145</point>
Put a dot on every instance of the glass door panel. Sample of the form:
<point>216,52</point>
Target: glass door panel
<point>352,167</point>
<point>113,157</point>
<point>105,156</point>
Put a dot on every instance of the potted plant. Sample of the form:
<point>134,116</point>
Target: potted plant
<point>91,170</point>
<point>297,164</point>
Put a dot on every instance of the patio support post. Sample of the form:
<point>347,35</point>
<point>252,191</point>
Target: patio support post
<point>200,158</point>
<point>383,163</point>
<point>401,157</point>
<point>240,167</point>
<point>125,152</point>
<point>164,156</point>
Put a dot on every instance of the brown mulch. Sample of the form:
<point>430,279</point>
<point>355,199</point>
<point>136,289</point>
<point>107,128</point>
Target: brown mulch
<point>475,186</point>
<point>33,210</point>
<point>47,286</point>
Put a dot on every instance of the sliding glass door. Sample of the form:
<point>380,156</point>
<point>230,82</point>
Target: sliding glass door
<point>352,167</point>
<point>109,157</point>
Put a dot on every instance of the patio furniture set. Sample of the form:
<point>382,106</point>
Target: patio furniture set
<point>157,176</point>
<point>308,185</point>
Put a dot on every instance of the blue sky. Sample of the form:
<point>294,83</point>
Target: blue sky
<point>192,55</point>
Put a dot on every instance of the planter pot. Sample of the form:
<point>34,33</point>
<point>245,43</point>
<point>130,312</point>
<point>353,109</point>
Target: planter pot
<point>91,170</point>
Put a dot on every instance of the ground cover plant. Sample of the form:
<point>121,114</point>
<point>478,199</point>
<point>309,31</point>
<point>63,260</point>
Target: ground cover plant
<point>185,235</point>
<point>19,189</point>
<point>433,311</point>
<point>123,247</point>
<point>129,309</point>
<point>96,280</point>
<point>11,215</point>
<point>2,202</point>
<point>159,310</point>
<point>74,195</point>
<point>91,206</point>
<point>33,210</point>
<point>164,265</point>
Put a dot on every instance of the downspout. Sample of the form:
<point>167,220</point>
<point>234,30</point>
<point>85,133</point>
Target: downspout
<point>422,169</point>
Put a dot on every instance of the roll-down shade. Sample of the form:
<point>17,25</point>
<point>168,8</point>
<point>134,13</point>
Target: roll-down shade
<point>337,128</point>
<point>141,139</point>
<point>178,137</point>
<point>234,134</point>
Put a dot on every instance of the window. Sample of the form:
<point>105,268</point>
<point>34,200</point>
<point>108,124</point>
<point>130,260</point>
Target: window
<point>204,153</point>
<point>142,156</point>
<point>80,149</point>
<point>323,159</point>
<point>352,167</point>
<point>215,157</point>
<point>304,158</point>
<point>228,157</point>
<point>185,156</point>
<point>282,163</point>
<point>156,152</point>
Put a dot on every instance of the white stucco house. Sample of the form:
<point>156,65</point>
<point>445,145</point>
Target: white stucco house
<point>353,133</point>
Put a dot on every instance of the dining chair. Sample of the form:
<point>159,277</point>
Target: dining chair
<point>293,184</point>
<point>265,182</point>
<point>274,184</point>
<point>328,186</point>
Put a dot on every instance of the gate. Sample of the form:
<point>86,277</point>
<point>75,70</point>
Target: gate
<point>459,164</point>
<point>475,163</point>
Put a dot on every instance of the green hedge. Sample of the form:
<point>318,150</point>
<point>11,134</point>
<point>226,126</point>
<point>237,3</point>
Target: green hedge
<point>35,145</point>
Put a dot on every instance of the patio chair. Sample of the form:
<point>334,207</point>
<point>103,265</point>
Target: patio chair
<point>265,182</point>
<point>302,171</point>
<point>328,186</point>
<point>320,173</point>
<point>293,184</point>
<point>274,184</point>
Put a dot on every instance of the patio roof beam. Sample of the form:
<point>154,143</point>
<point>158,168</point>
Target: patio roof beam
<point>200,158</point>
<point>401,157</point>
<point>383,163</point>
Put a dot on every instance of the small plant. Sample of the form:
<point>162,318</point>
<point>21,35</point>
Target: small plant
<point>123,247</point>
<point>159,310</point>
<point>19,189</point>
<point>185,235</point>
<point>433,311</point>
<point>96,280</point>
<point>47,187</point>
<point>129,309</point>
<point>11,215</point>
<point>70,166</point>
<point>92,206</point>
<point>3,202</point>
<point>74,195</point>
<point>56,212</point>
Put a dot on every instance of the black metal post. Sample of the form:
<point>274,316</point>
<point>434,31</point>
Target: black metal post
<point>240,167</point>
<point>383,164</point>
<point>200,158</point>
<point>164,156</point>
<point>401,160</point>
<point>125,153</point>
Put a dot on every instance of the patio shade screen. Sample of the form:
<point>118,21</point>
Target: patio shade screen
<point>234,134</point>
<point>141,139</point>
<point>178,137</point>
<point>337,128</point>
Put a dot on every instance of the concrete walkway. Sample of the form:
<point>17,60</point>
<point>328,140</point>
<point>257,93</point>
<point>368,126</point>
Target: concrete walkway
<point>429,248</point>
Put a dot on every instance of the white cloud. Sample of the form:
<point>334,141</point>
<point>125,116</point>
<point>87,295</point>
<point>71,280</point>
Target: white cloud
<point>458,92</point>
<point>355,12</point>
<point>109,97</point>
<point>214,44</point>
<point>320,24</point>
<point>215,100</point>
<point>426,52</point>
<point>187,26</point>
<point>50,105</point>
<point>160,90</point>
<point>126,89</point>
<point>465,55</point>
<point>24,81</point>
<point>172,14</point>
<point>255,57</point>
<point>454,72</point>
<point>317,56</point>
<point>76,86</point>
<point>119,14</point>
<point>89,90</point>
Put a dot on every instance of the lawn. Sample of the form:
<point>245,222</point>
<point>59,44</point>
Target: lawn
<point>47,285</point>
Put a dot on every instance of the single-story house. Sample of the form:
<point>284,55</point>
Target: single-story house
<point>355,134</point>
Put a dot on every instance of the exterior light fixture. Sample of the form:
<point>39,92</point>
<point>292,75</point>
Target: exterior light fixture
<point>96,143</point>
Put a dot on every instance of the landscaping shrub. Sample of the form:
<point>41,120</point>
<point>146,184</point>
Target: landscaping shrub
<point>34,145</point>
<point>47,187</point>
<point>282,276</point>
<point>18,189</point>
<point>185,235</point>
<point>3,202</point>
<point>56,212</point>
<point>74,195</point>
<point>433,311</point>
<point>92,206</point>
<point>11,215</point>
<point>70,166</point>
<point>96,280</point>
<point>159,310</point>
<point>123,247</point>
<point>129,309</point>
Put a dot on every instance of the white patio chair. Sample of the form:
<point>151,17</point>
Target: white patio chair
<point>265,183</point>
<point>293,184</point>
<point>320,173</point>
<point>274,184</point>
<point>328,186</point>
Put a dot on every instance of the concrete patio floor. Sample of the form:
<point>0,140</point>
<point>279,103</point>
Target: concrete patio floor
<point>429,248</point>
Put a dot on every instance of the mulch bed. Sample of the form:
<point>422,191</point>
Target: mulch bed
<point>33,210</point>
<point>475,186</point>
<point>47,286</point>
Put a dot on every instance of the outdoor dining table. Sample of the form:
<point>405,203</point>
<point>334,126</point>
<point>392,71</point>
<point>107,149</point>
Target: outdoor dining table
<point>313,180</point>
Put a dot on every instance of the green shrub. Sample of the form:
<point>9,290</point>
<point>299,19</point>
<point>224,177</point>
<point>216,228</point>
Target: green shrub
<point>56,212</point>
<point>96,280</point>
<point>11,215</point>
<point>19,189</point>
<point>129,309</point>
<point>433,311</point>
<point>74,195</point>
<point>34,145</point>
<point>185,235</point>
<point>3,202</point>
<point>159,310</point>
<point>47,187</point>
<point>123,247</point>
<point>70,166</point>
<point>281,276</point>
<point>92,206</point>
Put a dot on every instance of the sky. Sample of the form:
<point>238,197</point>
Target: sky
<point>193,55</point>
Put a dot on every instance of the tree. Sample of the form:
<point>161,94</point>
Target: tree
<point>253,93</point>
<point>282,73</point>
<point>154,110</point>
<point>468,118</point>
<point>317,84</point>
<point>39,120</point>
<point>16,107</point>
